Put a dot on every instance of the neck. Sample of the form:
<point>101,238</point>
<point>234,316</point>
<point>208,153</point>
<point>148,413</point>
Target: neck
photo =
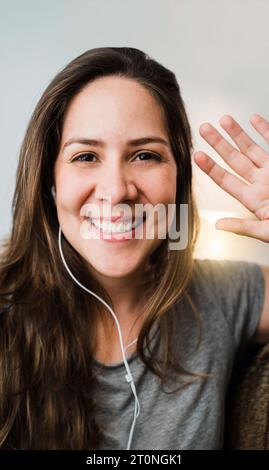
<point>126,293</point>
<point>128,301</point>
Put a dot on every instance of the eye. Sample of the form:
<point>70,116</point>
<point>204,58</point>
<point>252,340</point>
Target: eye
<point>81,158</point>
<point>153,156</point>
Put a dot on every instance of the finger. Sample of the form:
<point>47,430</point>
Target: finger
<point>250,228</point>
<point>261,125</point>
<point>235,159</point>
<point>230,183</point>
<point>246,145</point>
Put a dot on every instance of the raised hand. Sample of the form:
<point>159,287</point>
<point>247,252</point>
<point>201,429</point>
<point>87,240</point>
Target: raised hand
<point>251,163</point>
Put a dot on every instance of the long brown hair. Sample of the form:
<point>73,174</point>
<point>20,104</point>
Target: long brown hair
<point>48,387</point>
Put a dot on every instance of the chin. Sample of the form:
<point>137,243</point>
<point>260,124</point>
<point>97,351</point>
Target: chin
<point>114,268</point>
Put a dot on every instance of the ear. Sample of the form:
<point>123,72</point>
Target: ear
<point>53,192</point>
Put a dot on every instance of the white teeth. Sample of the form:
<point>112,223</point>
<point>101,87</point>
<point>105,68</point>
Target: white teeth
<point>115,227</point>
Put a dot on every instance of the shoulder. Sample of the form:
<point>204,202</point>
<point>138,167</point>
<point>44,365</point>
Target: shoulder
<point>233,289</point>
<point>227,274</point>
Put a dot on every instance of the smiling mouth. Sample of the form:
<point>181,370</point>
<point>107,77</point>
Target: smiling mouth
<point>115,228</point>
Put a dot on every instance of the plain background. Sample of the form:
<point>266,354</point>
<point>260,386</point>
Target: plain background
<point>217,49</point>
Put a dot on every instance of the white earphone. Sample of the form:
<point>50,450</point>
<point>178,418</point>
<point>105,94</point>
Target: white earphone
<point>53,192</point>
<point>128,376</point>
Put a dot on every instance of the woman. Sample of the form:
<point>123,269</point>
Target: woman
<point>111,130</point>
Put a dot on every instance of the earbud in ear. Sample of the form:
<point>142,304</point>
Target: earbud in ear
<point>53,191</point>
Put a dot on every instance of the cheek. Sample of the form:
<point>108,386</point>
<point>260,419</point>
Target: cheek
<point>71,190</point>
<point>162,187</point>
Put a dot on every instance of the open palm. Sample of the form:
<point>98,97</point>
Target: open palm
<point>250,162</point>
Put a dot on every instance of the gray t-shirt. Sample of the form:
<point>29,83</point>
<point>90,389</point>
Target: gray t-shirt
<point>229,296</point>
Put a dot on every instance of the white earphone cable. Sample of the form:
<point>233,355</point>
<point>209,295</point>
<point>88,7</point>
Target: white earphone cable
<point>128,376</point>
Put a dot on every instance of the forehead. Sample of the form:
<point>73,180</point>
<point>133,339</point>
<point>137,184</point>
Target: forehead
<point>113,106</point>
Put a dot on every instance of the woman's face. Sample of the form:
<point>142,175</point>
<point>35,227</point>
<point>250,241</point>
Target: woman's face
<point>115,111</point>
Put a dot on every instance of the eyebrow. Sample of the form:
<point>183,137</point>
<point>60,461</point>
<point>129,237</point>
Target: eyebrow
<point>101,143</point>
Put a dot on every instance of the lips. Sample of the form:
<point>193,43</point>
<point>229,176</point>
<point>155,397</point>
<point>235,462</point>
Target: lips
<point>117,219</point>
<point>110,219</point>
<point>108,232</point>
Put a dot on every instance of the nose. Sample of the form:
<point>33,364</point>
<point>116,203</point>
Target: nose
<point>115,185</point>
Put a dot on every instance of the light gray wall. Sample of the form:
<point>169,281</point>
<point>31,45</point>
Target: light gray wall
<point>218,50</point>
